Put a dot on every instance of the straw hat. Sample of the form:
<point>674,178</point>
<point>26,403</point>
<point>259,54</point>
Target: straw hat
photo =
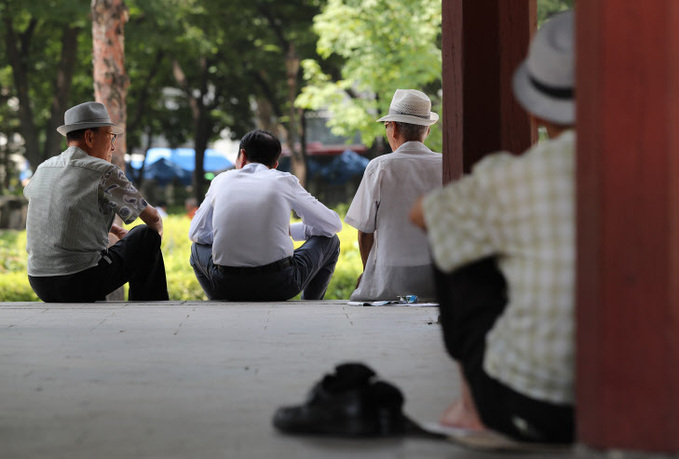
<point>411,106</point>
<point>544,84</point>
<point>86,116</point>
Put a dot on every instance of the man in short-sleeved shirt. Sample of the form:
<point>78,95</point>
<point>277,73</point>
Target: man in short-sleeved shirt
<point>395,255</point>
<point>73,200</point>
<point>504,240</point>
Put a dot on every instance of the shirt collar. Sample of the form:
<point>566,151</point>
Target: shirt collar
<point>412,146</point>
<point>254,167</point>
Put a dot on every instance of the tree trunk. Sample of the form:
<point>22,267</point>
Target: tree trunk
<point>297,160</point>
<point>200,145</point>
<point>108,58</point>
<point>62,90</point>
<point>110,79</point>
<point>201,121</point>
<point>20,74</point>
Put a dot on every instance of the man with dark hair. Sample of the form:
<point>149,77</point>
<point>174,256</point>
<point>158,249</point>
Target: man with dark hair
<point>395,255</point>
<point>242,249</point>
<point>73,199</point>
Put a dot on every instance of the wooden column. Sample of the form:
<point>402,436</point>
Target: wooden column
<point>628,224</point>
<point>483,43</point>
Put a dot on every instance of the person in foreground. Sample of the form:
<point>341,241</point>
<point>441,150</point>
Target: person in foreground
<point>395,255</point>
<point>75,252</point>
<point>503,238</point>
<point>242,249</point>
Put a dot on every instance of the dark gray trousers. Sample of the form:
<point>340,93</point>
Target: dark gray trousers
<point>310,270</point>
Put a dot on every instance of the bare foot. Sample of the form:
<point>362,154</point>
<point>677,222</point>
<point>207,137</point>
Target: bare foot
<point>462,416</point>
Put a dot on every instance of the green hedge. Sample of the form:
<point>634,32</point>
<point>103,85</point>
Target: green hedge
<point>182,283</point>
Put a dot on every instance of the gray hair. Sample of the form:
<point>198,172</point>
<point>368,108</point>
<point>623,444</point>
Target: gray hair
<point>412,131</point>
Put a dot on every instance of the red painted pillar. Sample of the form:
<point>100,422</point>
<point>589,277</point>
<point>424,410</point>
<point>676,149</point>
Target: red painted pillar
<point>628,224</point>
<point>483,43</point>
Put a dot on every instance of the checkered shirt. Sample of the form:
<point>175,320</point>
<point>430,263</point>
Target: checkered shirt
<point>520,209</point>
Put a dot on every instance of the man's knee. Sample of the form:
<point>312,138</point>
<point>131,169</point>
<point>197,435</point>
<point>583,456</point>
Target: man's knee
<point>335,245</point>
<point>144,240</point>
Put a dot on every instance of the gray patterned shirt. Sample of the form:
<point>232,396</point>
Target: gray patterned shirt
<point>73,199</point>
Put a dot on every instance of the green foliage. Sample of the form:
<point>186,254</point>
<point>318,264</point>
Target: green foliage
<point>14,284</point>
<point>176,247</point>
<point>384,45</point>
<point>546,8</point>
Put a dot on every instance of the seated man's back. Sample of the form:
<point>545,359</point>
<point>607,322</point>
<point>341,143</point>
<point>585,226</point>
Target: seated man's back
<point>399,262</point>
<point>395,254</point>
<point>242,231</point>
<point>260,233</point>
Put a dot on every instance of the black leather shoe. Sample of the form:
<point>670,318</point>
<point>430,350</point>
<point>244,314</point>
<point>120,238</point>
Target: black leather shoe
<point>348,403</point>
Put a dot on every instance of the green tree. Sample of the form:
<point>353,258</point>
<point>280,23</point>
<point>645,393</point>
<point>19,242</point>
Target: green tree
<point>45,64</point>
<point>222,60</point>
<point>382,45</point>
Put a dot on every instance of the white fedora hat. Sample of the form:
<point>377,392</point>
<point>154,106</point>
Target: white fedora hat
<point>86,116</point>
<point>544,84</point>
<point>411,106</point>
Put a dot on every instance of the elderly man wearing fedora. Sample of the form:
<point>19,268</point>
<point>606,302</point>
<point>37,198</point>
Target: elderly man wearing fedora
<point>503,239</point>
<point>395,256</point>
<point>73,199</point>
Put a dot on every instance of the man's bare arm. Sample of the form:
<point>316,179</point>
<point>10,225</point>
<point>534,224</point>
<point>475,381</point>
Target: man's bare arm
<point>365,245</point>
<point>152,218</point>
<point>417,215</point>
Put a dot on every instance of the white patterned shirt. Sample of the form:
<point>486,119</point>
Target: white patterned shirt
<point>520,209</point>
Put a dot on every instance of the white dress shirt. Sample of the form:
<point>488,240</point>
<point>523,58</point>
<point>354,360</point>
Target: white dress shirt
<point>246,216</point>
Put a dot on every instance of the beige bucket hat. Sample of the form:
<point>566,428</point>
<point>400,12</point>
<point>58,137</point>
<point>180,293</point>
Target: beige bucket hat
<point>544,84</point>
<point>411,106</point>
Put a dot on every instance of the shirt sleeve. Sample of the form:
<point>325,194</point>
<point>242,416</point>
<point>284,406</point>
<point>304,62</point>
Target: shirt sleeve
<point>200,230</point>
<point>118,195</point>
<point>457,223</point>
<point>362,213</point>
<point>317,219</point>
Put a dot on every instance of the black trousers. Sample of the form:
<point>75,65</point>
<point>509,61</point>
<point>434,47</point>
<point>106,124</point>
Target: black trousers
<point>471,299</point>
<point>136,259</point>
<point>309,271</point>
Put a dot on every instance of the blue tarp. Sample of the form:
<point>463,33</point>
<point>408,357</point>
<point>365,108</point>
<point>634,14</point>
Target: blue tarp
<point>164,172</point>
<point>185,158</point>
<point>164,164</point>
<point>341,169</point>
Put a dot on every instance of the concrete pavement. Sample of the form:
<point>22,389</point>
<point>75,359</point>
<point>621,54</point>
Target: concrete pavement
<point>202,379</point>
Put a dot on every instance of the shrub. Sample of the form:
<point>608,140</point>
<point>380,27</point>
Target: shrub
<point>181,281</point>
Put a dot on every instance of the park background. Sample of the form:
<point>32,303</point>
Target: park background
<point>195,74</point>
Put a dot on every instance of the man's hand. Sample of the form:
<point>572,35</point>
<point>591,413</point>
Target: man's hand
<point>118,231</point>
<point>152,218</point>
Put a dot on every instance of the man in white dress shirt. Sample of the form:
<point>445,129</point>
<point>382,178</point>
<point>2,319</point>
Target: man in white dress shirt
<point>242,249</point>
<point>395,254</point>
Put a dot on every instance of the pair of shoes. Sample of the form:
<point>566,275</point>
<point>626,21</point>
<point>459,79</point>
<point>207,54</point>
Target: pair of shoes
<point>350,402</point>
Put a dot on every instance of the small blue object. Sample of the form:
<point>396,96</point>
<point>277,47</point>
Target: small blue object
<point>408,299</point>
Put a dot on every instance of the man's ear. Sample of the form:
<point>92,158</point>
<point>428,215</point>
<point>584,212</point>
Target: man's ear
<point>242,159</point>
<point>89,137</point>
